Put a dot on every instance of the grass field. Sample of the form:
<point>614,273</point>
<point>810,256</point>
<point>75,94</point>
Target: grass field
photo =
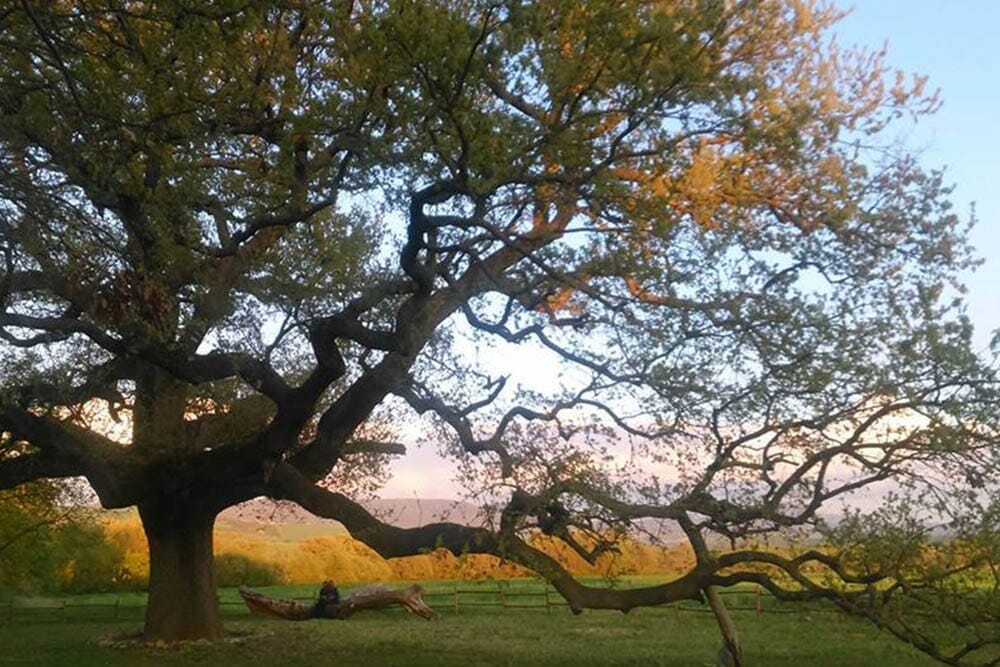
<point>517,593</point>
<point>482,634</point>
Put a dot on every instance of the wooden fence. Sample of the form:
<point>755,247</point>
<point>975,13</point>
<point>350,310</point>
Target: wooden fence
<point>757,600</point>
<point>454,599</point>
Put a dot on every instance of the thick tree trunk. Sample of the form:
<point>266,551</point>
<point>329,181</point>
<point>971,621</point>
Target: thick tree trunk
<point>183,601</point>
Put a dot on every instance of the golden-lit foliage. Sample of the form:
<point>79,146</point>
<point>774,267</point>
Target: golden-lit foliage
<point>346,560</point>
<point>126,534</point>
<point>339,558</point>
<point>630,558</point>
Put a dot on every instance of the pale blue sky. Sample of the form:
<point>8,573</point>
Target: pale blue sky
<point>956,44</point>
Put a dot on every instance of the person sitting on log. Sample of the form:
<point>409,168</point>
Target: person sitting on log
<point>331,605</point>
<point>328,604</point>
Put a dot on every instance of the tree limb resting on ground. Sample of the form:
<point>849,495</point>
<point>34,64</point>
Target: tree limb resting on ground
<point>370,597</point>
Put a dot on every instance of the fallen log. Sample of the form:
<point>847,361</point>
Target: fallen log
<point>330,605</point>
<point>263,605</point>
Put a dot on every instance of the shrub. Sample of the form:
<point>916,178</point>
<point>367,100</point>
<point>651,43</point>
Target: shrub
<point>239,570</point>
<point>91,563</point>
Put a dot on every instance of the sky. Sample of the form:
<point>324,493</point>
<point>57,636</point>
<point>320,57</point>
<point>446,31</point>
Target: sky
<point>956,45</point>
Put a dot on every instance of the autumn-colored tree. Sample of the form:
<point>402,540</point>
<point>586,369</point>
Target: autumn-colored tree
<point>245,225</point>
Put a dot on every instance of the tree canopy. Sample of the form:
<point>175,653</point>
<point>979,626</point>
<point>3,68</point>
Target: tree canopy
<point>241,228</point>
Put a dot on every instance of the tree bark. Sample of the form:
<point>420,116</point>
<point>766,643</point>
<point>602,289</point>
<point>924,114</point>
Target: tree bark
<point>731,651</point>
<point>183,602</point>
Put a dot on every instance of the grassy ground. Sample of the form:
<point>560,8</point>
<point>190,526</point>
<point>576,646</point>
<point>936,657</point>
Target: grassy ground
<point>477,635</point>
<point>522,593</point>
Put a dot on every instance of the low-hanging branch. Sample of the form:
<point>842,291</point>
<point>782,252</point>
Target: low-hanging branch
<point>785,577</point>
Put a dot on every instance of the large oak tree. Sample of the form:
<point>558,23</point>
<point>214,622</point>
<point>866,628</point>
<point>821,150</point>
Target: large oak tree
<point>242,226</point>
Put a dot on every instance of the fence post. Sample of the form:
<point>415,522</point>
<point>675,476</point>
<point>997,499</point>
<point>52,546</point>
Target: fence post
<point>503,602</point>
<point>456,597</point>
<point>548,606</point>
<point>757,601</point>
<point>64,610</point>
<point>677,610</point>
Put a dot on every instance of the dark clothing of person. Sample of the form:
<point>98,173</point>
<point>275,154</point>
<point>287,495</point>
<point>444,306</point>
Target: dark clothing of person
<point>328,604</point>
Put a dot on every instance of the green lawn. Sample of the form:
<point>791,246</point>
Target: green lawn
<point>477,635</point>
<point>525,593</point>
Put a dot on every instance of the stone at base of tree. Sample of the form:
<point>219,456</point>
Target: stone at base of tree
<point>371,597</point>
